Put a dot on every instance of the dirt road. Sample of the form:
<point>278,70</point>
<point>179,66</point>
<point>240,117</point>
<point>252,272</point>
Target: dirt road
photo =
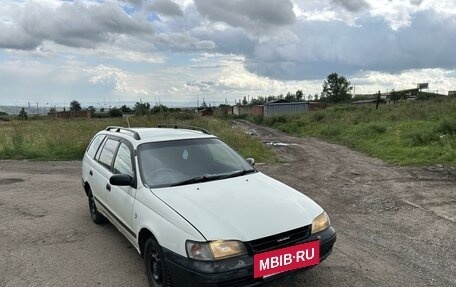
<point>396,226</point>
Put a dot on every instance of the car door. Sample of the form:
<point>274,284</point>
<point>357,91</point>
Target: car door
<point>122,198</point>
<point>101,172</point>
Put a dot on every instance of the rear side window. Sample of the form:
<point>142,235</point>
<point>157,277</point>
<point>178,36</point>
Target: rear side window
<point>108,152</point>
<point>92,150</point>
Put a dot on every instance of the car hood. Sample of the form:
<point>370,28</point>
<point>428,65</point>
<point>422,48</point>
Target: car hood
<point>242,208</point>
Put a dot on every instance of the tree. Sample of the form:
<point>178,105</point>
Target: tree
<point>290,97</point>
<point>244,101</point>
<point>158,109</point>
<point>91,109</point>
<point>299,95</point>
<point>126,109</point>
<point>394,96</point>
<point>141,108</point>
<point>336,89</point>
<point>115,112</point>
<point>23,114</point>
<point>258,101</point>
<point>75,106</point>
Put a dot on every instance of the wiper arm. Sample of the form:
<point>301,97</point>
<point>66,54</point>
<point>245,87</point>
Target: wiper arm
<point>209,177</point>
<point>201,178</point>
<point>238,173</point>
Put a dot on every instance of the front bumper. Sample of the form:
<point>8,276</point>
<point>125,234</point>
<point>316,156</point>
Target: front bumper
<point>231,272</point>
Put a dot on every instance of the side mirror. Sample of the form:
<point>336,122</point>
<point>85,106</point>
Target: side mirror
<point>121,180</point>
<point>251,161</point>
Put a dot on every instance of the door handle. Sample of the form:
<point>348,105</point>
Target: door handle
<point>91,172</point>
<point>108,187</point>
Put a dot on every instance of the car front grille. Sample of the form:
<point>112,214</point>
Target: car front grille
<point>280,240</point>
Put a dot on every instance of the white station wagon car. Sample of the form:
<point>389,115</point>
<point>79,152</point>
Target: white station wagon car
<point>199,213</point>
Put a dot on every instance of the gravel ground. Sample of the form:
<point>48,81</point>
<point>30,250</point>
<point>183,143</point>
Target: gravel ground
<point>396,226</point>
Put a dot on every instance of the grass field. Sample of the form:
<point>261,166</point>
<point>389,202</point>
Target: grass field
<point>51,139</point>
<point>407,133</point>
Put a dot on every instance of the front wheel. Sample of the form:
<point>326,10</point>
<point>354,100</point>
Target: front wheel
<point>156,271</point>
<point>97,218</point>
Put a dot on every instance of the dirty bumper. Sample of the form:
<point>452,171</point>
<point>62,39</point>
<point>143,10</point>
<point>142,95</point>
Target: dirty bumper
<point>231,272</point>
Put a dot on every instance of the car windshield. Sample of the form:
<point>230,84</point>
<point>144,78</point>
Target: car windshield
<point>181,162</point>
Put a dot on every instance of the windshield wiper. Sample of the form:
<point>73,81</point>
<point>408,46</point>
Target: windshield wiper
<point>201,178</point>
<point>209,177</point>
<point>238,173</point>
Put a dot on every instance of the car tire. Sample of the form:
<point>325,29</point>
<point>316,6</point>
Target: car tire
<point>156,270</point>
<point>97,218</point>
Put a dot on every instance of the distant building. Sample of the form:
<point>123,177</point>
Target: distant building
<point>281,108</point>
<point>224,111</point>
<point>205,112</point>
<point>256,110</point>
<point>316,106</point>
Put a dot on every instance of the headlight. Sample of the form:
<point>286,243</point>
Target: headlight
<point>320,223</point>
<point>214,250</point>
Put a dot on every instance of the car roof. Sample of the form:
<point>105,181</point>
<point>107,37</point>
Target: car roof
<point>156,134</point>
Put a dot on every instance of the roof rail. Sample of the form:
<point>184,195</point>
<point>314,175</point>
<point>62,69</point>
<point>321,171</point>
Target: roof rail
<point>175,126</point>
<point>118,129</point>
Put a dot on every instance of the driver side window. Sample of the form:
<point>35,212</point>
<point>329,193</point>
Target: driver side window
<point>123,164</point>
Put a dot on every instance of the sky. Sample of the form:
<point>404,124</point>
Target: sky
<point>176,52</point>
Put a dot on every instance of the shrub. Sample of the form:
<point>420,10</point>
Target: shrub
<point>447,126</point>
<point>422,137</point>
<point>115,113</point>
<point>377,128</point>
<point>318,116</point>
<point>331,131</point>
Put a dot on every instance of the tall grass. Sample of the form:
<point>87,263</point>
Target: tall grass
<point>407,133</point>
<point>52,139</point>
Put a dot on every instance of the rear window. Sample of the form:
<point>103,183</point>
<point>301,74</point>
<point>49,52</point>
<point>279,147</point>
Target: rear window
<point>108,152</point>
<point>94,145</point>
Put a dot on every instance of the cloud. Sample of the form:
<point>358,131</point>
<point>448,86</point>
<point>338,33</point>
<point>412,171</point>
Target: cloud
<point>328,47</point>
<point>123,83</point>
<point>166,7</point>
<point>71,24</point>
<point>218,49</point>
<point>256,16</point>
<point>352,5</point>
<point>440,80</point>
<point>137,3</point>
<point>14,37</point>
<point>199,85</point>
<point>228,40</point>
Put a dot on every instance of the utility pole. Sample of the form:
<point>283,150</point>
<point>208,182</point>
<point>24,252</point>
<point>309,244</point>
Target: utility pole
<point>378,100</point>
